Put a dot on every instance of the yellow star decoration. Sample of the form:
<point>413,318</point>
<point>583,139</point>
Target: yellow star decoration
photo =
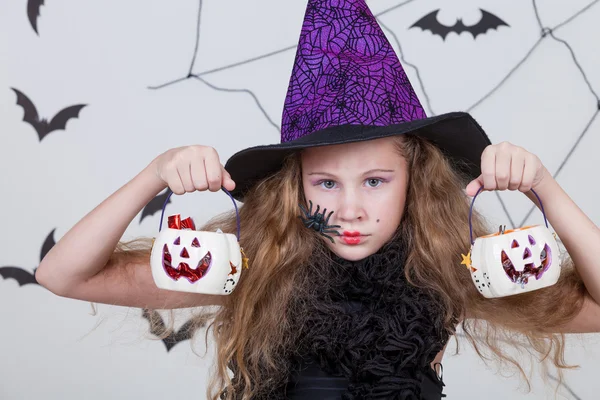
<point>467,261</point>
<point>244,259</point>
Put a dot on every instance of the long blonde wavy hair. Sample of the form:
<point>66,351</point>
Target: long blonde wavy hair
<point>252,327</point>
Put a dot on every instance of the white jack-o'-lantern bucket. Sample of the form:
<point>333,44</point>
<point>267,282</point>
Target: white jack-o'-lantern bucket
<point>514,261</point>
<point>186,260</point>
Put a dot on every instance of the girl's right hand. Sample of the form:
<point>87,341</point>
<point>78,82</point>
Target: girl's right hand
<point>190,168</point>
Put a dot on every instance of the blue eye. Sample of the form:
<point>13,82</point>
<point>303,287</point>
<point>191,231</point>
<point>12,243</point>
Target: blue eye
<point>327,184</point>
<point>374,182</point>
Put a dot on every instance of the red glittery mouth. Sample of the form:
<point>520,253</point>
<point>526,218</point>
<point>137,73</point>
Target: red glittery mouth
<point>183,270</point>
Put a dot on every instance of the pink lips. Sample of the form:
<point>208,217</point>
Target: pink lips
<point>351,237</point>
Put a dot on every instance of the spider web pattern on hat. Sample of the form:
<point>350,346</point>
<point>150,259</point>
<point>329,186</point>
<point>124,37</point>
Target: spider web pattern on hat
<point>345,72</point>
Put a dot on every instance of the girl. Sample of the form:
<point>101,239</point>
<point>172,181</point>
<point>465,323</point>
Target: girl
<point>362,307</point>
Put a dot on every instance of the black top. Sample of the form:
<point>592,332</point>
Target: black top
<point>313,383</point>
<point>366,333</point>
<point>361,331</point>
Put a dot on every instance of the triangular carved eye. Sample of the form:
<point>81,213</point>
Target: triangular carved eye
<point>526,253</point>
<point>177,241</point>
<point>531,240</point>
<point>195,243</point>
<point>514,244</point>
<point>184,253</point>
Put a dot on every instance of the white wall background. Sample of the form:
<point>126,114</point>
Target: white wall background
<point>110,54</point>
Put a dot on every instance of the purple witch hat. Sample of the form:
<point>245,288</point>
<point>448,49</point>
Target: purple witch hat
<point>348,85</point>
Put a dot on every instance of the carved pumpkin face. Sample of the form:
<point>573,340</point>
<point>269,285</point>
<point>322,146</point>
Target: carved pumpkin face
<point>516,261</point>
<point>177,265</point>
<point>526,264</point>
<point>196,261</point>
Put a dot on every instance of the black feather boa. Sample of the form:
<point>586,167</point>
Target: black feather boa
<point>364,322</point>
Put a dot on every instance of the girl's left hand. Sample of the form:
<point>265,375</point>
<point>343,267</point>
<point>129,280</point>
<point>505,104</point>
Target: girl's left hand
<point>506,166</point>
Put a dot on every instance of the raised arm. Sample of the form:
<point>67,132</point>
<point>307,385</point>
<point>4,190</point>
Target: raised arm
<point>81,266</point>
<point>505,166</point>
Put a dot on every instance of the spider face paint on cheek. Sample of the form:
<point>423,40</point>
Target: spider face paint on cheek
<point>318,221</point>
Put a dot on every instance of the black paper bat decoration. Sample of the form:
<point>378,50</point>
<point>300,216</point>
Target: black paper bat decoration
<point>22,276</point>
<point>155,205</point>
<point>157,328</point>
<point>42,126</point>
<point>430,22</point>
<point>48,244</point>
<point>33,12</point>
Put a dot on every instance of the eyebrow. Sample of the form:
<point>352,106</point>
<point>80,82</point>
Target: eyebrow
<point>371,171</point>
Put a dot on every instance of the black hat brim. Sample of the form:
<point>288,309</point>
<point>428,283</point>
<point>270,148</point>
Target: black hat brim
<point>457,134</point>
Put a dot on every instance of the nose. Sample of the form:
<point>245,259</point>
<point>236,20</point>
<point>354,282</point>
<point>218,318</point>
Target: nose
<point>350,208</point>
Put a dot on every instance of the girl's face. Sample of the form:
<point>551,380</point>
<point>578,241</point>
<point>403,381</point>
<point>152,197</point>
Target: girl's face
<point>364,184</point>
